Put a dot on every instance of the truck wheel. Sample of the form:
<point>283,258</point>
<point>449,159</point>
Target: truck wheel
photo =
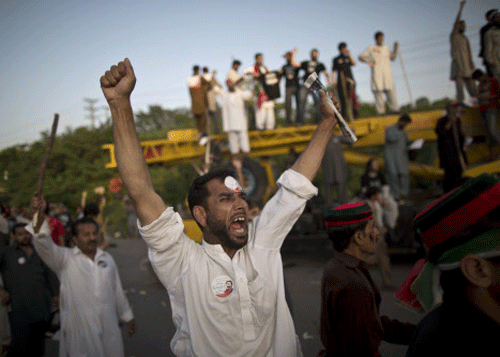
<point>255,179</point>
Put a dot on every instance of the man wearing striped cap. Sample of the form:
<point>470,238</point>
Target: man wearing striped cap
<point>459,280</point>
<point>350,300</point>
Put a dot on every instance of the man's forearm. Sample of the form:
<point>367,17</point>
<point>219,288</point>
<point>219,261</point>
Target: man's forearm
<point>128,151</point>
<point>310,160</point>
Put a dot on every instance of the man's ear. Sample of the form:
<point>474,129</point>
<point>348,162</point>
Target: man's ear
<point>357,238</point>
<point>200,215</point>
<point>476,270</point>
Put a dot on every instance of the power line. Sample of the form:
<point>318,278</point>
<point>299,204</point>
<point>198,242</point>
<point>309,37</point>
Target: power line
<point>92,110</point>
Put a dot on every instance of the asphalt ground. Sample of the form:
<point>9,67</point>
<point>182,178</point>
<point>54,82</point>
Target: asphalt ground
<point>304,259</point>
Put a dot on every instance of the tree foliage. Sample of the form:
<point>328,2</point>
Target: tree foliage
<point>76,164</point>
<point>158,118</point>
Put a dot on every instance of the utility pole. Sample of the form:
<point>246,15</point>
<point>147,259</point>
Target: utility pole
<point>92,110</point>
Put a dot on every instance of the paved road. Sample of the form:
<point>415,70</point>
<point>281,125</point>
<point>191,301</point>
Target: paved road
<point>303,269</point>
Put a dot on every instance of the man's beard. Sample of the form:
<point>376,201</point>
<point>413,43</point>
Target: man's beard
<point>219,229</point>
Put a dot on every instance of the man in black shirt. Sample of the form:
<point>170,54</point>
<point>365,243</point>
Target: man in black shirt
<point>291,72</point>
<point>313,65</point>
<point>482,32</point>
<point>450,140</point>
<point>29,286</point>
<point>341,68</point>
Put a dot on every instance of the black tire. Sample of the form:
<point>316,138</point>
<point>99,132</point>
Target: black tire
<point>255,179</point>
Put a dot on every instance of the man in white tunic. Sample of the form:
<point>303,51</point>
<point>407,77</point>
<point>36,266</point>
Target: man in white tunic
<point>92,301</point>
<point>235,121</point>
<point>227,294</point>
<point>462,65</point>
<point>379,58</point>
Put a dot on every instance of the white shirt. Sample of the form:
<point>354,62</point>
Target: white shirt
<point>234,116</point>
<point>194,81</point>
<point>233,75</point>
<point>92,301</point>
<point>253,318</point>
<point>381,71</point>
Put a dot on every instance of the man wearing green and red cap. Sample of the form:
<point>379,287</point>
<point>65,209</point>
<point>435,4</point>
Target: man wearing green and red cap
<point>462,270</point>
<point>350,300</point>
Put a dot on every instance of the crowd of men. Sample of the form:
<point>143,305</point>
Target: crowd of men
<point>228,294</point>
<point>265,89</point>
<point>266,86</point>
<point>377,56</point>
<point>238,307</point>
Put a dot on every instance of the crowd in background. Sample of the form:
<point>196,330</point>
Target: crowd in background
<point>36,271</point>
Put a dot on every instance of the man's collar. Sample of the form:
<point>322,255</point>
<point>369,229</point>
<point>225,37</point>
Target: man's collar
<point>347,259</point>
<point>98,253</point>
<point>215,249</point>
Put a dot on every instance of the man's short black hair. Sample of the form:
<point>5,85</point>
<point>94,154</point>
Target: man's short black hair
<point>198,191</point>
<point>91,209</point>
<point>372,191</point>
<point>477,74</point>
<point>405,118</point>
<point>196,68</point>
<point>341,236</point>
<point>236,62</point>
<point>257,55</point>
<point>16,226</point>
<point>453,283</point>
<point>83,220</point>
<point>369,164</point>
<point>490,13</point>
<point>378,34</point>
<point>205,69</point>
<point>342,45</point>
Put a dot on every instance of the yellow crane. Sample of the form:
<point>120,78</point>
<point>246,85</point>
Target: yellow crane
<point>182,145</point>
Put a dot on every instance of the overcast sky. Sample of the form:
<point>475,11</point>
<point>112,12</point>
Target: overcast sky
<point>54,51</point>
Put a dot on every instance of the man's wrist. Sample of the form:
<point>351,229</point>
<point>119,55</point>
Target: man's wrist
<point>119,102</point>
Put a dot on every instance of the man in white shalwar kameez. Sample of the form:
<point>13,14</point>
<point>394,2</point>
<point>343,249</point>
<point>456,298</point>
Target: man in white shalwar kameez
<point>92,300</point>
<point>379,58</point>
<point>235,122</point>
<point>234,117</point>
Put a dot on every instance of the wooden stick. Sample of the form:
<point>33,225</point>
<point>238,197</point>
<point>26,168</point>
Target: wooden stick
<point>43,166</point>
<point>50,143</point>
<point>412,104</point>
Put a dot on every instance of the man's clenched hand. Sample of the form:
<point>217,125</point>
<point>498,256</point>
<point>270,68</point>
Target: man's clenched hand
<point>324,107</point>
<point>119,82</point>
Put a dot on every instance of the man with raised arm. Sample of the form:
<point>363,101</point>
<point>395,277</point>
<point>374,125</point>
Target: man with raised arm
<point>379,57</point>
<point>462,65</point>
<point>227,294</point>
<point>92,300</point>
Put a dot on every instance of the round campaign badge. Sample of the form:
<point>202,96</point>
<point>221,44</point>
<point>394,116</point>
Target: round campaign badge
<point>102,264</point>
<point>232,184</point>
<point>222,286</point>
<point>21,260</point>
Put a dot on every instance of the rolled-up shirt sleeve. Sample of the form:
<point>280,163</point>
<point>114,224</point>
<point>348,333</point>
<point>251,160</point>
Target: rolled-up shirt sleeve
<point>124,311</point>
<point>283,209</point>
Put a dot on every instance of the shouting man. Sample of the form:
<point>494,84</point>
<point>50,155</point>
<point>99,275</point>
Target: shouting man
<point>252,317</point>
